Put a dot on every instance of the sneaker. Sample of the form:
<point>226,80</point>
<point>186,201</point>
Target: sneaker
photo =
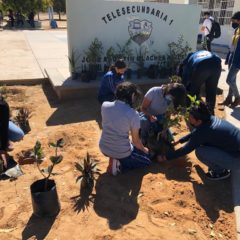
<point>113,166</point>
<point>218,176</point>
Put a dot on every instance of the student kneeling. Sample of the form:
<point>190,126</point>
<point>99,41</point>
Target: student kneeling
<point>118,119</point>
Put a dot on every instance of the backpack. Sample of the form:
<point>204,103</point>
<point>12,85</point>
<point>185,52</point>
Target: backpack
<point>215,30</point>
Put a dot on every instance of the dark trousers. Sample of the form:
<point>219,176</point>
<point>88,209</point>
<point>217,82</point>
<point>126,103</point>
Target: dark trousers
<point>206,73</point>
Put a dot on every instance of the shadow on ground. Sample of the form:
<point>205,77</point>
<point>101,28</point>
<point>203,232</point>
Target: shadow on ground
<point>37,228</point>
<point>213,196</point>
<point>71,111</point>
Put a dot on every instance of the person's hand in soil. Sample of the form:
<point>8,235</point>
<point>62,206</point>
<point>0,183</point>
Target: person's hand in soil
<point>161,158</point>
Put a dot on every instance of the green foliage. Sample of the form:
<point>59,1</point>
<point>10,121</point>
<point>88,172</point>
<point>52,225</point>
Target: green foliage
<point>59,6</point>
<point>194,102</point>
<point>141,55</point>
<point>88,169</point>
<point>110,55</point>
<point>25,6</point>
<point>124,51</point>
<point>22,119</point>
<point>73,61</point>
<point>55,159</point>
<point>177,52</point>
<point>4,91</point>
<point>94,51</point>
<point>175,79</point>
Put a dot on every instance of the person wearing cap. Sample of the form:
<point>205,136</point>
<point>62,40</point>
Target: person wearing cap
<point>110,81</point>
<point>206,29</point>
<point>233,61</point>
<point>155,104</point>
<point>216,143</point>
<point>201,68</point>
<point>119,118</point>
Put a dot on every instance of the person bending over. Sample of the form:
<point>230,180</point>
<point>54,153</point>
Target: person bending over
<point>216,143</point>
<point>155,104</point>
<point>198,69</point>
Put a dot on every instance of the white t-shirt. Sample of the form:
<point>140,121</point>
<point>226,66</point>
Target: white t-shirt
<point>118,118</point>
<point>208,25</point>
<point>158,103</point>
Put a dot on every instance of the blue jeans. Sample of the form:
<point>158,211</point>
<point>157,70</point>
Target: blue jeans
<point>137,159</point>
<point>231,81</point>
<point>215,158</point>
<point>14,132</point>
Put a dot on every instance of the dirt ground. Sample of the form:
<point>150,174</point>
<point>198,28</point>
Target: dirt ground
<point>171,201</point>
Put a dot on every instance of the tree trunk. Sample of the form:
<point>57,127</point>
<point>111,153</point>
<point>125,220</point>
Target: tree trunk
<point>59,16</point>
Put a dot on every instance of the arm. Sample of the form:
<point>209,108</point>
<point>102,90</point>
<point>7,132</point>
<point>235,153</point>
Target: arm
<point>137,141</point>
<point>145,106</point>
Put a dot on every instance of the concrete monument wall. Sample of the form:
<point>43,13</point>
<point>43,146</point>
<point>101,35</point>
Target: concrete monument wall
<point>149,24</point>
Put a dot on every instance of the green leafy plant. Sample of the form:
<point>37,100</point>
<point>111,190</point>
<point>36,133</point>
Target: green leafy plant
<point>110,56</point>
<point>94,51</point>
<point>22,119</point>
<point>177,52</point>
<point>88,169</point>
<point>175,79</point>
<point>124,51</point>
<point>4,91</point>
<point>141,55</point>
<point>194,102</point>
<point>73,61</point>
<point>55,159</point>
<point>161,142</point>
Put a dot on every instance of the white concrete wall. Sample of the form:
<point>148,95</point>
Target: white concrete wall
<point>106,21</point>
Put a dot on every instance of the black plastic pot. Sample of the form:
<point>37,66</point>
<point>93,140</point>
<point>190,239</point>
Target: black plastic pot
<point>45,204</point>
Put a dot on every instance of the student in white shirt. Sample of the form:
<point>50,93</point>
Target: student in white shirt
<point>206,29</point>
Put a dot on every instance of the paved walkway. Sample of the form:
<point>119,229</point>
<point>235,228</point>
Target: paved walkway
<point>26,54</point>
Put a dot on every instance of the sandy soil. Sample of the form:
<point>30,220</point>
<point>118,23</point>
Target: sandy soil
<point>172,201</point>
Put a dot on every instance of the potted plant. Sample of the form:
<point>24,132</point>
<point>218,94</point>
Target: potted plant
<point>93,54</point>
<point>22,119</point>
<point>110,56</point>
<point>44,195</point>
<point>73,63</point>
<point>124,51</point>
<point>177,52</point>
<point>88,169</point>
<point>141,55</point>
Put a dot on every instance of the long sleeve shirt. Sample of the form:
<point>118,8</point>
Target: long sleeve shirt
<point>216,133</point>
<point>108,86</point>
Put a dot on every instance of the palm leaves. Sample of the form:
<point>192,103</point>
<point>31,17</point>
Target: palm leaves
<point>88,169</point>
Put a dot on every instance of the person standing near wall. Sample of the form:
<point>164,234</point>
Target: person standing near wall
<point>233,60</point>
<point>206,29</point>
